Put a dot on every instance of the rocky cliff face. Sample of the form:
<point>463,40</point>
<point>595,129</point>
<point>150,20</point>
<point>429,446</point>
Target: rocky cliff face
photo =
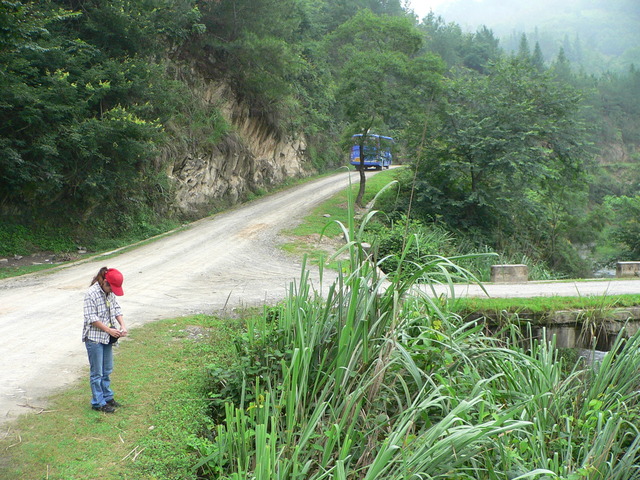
<point>250,157</point>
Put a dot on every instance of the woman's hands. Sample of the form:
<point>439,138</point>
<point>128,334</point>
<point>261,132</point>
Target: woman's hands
<point>114,332</point>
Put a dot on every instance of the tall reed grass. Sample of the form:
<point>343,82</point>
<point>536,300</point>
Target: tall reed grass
<point>371,380</point>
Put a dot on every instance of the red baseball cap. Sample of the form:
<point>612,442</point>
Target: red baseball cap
<point>115,278</point>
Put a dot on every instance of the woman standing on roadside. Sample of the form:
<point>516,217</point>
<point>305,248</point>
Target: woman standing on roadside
<point>100,332</point>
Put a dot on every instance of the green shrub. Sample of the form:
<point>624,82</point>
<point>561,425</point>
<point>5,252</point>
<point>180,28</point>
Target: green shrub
<point>18,239</point>
<point>625,227</point>
<point>390,244</point>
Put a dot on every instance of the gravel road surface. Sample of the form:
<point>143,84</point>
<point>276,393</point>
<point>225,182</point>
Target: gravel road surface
<point>227,261</point>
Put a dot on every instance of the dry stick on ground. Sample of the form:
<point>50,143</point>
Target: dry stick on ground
<point>136,455</point>
<point>42,409</point>
<point>136,451</point>
<point>129,454</point>
<point>15,444</point>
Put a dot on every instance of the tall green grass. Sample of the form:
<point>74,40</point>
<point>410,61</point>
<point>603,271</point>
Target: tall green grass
<point>371,380</point>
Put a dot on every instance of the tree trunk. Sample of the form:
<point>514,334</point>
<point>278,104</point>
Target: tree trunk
<point>363,182</point>
<point>363,176</point>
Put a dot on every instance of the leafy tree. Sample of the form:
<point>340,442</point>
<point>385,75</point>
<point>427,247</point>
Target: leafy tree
<point>381,78</point>
<point>257,49</point>
<point>524,51</point>
<point>561,68</point>
<point>23,39</point>
<point>443,39</point>
<point>337,12</point>
<point>625,215</point>
<point>80,115</point>
<point>502,137</point>
<point>471,50</point>
<point>480,49</point>
<point>619,97</point>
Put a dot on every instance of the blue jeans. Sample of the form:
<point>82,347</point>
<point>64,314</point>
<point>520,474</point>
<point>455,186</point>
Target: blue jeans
<point>100,367</point>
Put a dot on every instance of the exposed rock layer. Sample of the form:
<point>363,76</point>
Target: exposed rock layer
<point>250,157</point>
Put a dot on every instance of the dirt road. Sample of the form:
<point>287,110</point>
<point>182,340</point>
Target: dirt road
<point>226,261</point>
<point>223,262</point>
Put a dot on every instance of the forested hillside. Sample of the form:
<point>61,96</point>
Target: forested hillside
<point>101,101</point>
<point>596,35</point>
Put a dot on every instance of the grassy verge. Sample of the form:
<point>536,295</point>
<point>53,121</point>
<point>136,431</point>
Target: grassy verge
<point>15,271</point>
<point>305,238</point>
<point>540,305</point>
<point>8,272</point>
<point>160,378</point>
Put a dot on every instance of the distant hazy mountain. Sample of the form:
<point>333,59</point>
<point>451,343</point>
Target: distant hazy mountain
<point>596,34</point>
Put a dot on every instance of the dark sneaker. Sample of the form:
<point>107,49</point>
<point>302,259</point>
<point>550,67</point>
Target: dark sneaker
<point>104,408</point>
<point>113,403</point>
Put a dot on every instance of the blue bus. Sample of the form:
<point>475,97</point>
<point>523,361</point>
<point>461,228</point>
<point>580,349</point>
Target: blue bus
<point>377,151</point>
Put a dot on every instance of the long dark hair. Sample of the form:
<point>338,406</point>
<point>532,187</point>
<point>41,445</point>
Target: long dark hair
<point>100,276</point>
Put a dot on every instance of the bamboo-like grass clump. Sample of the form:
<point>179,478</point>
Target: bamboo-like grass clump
<point>375,380</point>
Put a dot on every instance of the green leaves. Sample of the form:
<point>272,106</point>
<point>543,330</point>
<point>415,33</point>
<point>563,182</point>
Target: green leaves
<point>77,120</point>
<point>625,225</point>
<point>366,31</point>
<point>380,74</point>
<point>501,135</point>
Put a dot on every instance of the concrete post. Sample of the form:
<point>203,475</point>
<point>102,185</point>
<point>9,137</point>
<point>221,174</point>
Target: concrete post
<point>509,273</point>
<point>628,269</point>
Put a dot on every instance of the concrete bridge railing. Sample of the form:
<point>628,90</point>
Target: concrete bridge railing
<point>517,273</point>
<point>572,328</point>
<point>628,269</point>
<point>509,273</point>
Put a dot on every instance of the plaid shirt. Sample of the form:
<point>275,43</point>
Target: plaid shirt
<point>101,307</point>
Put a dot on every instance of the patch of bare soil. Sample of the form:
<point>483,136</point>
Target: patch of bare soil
<point>196,333</point>
<point>328,245</point>
<point>39,258</point>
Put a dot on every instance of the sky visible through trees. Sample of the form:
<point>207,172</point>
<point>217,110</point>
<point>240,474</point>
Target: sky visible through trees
<point>423,7</point>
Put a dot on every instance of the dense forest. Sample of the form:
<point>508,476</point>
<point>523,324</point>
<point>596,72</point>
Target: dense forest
<point>506,150</point>
<point>596,35</point>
